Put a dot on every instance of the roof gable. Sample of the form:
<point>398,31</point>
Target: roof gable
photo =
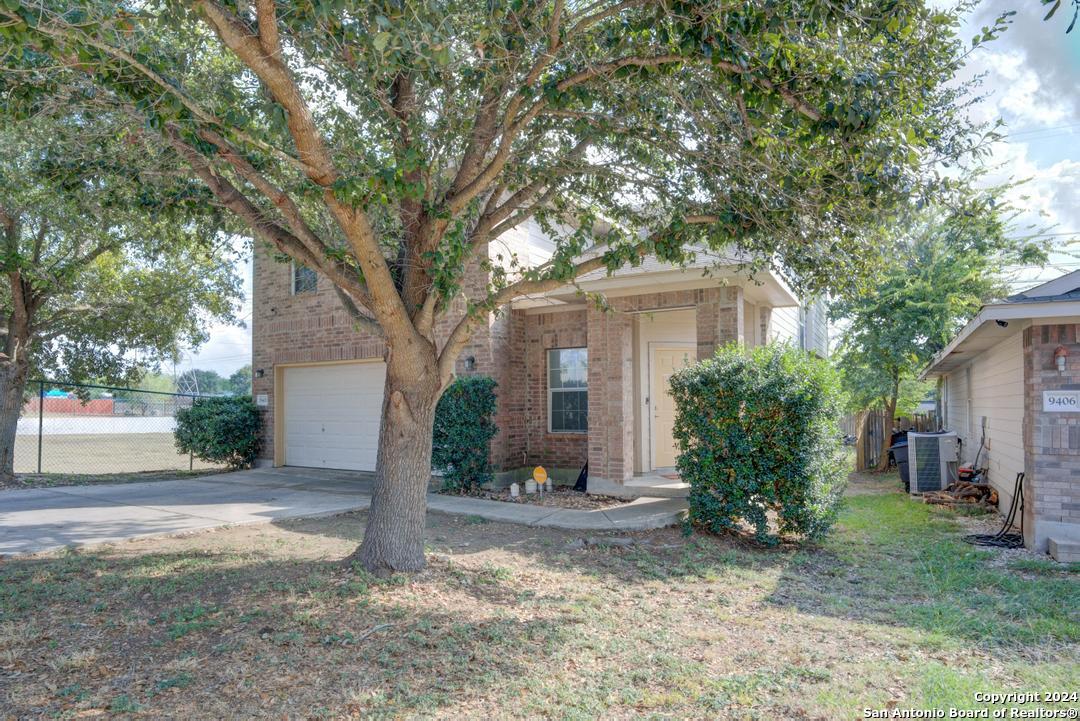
<point>1067,287</point>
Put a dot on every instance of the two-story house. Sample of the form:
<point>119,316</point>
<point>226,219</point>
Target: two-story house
<point>576,383</point>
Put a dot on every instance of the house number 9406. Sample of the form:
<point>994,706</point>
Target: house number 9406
<point>1061,401</point>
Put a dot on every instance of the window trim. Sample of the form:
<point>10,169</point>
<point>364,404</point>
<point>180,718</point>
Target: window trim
<point>293,268</point>
<point>551,391</point>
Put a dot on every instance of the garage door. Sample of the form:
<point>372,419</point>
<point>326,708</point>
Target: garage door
<point>332,415</point>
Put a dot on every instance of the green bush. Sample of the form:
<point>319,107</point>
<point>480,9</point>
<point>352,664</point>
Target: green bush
<point>464,427</point>
<point>220,430</point>
<point>757,432</point>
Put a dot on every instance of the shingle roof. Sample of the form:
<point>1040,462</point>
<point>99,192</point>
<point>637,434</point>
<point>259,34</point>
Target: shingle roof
<point>1065,288</point>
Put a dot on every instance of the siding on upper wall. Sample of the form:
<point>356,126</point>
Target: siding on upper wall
<point>527,243</point>
<point>785,322</point>
<point>991,386</point>
<point>817,328</point>
<point>784,325</point>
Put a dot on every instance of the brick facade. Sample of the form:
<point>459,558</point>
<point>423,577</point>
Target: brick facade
<point>1051,440</point>
<point>523,415</point>
<point>304,328</point>
<point>511,347</point>
<point>720,319</point>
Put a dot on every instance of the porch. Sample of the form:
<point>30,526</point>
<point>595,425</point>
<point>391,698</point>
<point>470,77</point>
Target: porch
<point>632,346</point>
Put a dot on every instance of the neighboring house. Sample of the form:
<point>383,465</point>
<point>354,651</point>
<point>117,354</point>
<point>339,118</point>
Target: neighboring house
<point>576,383</point>
<point>1001,387</point>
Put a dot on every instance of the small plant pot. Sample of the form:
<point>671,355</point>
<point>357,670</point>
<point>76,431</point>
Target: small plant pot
<point>530,486</point>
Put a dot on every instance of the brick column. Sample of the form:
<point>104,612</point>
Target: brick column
<point>1051,440</point>
<point>719,319</point>
<point>611,395</point>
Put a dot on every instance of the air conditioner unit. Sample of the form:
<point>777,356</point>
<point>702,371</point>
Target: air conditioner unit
<point>934,459</point>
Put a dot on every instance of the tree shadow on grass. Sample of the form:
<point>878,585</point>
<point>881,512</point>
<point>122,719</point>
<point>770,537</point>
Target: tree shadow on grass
<point>891,561</point>
<point>225,634</point>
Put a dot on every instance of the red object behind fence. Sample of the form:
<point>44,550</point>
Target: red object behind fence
<point>71,406</point>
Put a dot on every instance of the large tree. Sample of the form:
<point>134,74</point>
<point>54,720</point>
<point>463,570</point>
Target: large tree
<point>384,144</point>
<point>938,267</point>
<point>103,277</point>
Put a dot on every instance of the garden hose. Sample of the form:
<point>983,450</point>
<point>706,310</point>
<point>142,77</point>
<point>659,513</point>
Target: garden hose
<point>1004,539</point>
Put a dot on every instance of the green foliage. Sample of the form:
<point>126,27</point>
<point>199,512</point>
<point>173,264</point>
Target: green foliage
<point>464,427</point>
<point>102,252</point>
<point>240,381</point>
<point>939,267</point>
<point>204,382</point>
<point>220,430</point>
<point>757,432</point>
<point>777,121</point>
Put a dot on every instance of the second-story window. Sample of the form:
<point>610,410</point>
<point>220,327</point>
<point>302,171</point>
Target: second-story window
<point>304,280</point>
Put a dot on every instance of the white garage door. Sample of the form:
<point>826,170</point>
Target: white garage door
<point>332,415</point>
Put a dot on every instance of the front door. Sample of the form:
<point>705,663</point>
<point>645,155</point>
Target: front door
<point>664,362</point>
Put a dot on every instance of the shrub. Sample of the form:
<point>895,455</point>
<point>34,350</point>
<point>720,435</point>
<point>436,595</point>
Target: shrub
<point>464,427</point>
<point>220,430</point>
<point>757,432</point>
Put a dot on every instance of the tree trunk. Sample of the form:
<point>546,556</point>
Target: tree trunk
<point>394,538</point>
<point>13,376</point>
<point>886,436</point>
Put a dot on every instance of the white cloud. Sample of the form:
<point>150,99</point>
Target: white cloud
<point>1031,80</point>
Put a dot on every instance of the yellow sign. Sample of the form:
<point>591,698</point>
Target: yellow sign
<point>539,474</point>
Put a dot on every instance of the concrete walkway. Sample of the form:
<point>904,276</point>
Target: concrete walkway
<point>38,520</point>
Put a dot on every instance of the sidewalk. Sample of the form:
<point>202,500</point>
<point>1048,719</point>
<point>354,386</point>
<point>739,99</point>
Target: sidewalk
<point>36,520</point>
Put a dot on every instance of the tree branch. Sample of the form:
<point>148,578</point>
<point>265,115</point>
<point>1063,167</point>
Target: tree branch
<point>265,14</point>
<point>463,330</point>
<point>279,237</point>
<point>277,79</point>
<point>359,317</point>
<point>142,68</point>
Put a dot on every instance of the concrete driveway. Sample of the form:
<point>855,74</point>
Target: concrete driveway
<point>38,520</point>
<point>44,519</point>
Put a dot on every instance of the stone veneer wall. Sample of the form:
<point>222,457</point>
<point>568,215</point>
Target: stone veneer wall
<point>1051,440</point>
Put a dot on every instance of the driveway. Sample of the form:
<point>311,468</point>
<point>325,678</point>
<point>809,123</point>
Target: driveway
<point>44,519</point>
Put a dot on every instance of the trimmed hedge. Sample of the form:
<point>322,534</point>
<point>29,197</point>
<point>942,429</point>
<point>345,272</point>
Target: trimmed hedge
<point>464,427</point>
<point>757,432</point>
<point>220,430</point>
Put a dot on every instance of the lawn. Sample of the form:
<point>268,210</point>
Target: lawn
<point>102,453</point>
<point>894,609</point>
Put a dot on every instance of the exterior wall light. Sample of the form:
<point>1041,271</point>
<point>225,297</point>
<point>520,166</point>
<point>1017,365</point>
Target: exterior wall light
<point>260,373</point>
<point>470,364</point>
<point>1061,353</point>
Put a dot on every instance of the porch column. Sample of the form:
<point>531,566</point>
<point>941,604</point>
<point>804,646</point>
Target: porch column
<point>611,395</point>
<point>720,319</point>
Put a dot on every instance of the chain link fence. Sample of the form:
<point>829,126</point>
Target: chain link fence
<point>75,428</point>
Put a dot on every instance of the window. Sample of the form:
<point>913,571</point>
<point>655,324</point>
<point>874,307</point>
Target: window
<point>304,280</point>
<point>568,390</point>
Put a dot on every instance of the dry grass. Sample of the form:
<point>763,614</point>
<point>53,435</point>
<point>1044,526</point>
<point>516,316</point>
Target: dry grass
<point>506,622</point>
<point>102,453</point>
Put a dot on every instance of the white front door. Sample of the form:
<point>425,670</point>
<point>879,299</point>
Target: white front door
<point>664,362</point>
<point>332,415</point>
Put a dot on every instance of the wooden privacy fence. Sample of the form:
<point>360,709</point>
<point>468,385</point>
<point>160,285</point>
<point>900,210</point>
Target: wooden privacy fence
<point>869,428</point>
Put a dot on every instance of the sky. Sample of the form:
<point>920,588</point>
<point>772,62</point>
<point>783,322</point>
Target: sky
<point>1031,80</point>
